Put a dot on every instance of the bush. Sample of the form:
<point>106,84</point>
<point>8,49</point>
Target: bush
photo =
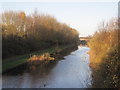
<point>23,34</point>
<point>104,56</point>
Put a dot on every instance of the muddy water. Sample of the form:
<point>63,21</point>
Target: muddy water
<point>71,72</point>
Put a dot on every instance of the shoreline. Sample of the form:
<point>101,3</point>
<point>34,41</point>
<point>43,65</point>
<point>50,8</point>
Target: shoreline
<point>7,65</point>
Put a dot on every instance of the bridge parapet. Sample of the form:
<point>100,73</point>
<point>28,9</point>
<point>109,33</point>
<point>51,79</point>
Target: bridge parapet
<point>84,40</point>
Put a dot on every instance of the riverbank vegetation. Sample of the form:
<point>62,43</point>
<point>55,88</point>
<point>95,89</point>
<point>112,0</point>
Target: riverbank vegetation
<point>24,34</point>
<point>104,56</point>
<point>16,62</point>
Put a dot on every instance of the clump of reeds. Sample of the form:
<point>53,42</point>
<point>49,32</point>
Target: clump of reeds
<point>45,56</point>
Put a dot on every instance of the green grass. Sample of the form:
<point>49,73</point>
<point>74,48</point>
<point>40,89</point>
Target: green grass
<point>16,61</point>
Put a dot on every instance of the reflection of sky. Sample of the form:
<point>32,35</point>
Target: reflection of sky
<point>83,16</point>
<point>71,72</point>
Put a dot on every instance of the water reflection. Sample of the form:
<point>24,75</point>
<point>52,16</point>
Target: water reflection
<point>42,66</point>
<point>71,72</point>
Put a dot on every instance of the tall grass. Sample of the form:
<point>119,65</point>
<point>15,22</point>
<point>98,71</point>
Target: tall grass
<point>104,55</point>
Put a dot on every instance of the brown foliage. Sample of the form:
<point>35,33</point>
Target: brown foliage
<point>104,56</point>
<point>23,33</point>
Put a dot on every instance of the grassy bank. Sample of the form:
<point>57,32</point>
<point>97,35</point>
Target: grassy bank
<point>16,61</point>
<point>104,55</point>
<point>23,34</point>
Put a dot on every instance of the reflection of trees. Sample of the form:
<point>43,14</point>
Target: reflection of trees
<point>42,68</point>
<point>66,52</point>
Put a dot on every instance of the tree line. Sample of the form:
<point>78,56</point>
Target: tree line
<point>104,56</point>
<point>22,34</point>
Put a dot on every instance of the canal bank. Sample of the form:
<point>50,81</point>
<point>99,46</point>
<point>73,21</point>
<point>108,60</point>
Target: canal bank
<point>19,60</point>
<point>72,71</point>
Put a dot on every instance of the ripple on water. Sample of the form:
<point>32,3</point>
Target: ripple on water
<point>72,72</point>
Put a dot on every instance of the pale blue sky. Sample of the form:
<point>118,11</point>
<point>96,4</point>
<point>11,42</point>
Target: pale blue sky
<point>83,16</point>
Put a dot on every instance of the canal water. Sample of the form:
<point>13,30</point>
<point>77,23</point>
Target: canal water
<point>71,72</point>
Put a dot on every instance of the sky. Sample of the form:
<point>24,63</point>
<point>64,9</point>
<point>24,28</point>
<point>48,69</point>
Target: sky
<point>83,16</point>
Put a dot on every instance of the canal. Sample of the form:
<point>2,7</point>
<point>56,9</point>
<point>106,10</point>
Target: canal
<point>72,71</point>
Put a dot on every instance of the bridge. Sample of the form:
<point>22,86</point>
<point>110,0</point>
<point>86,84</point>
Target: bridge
<point>84,40</point>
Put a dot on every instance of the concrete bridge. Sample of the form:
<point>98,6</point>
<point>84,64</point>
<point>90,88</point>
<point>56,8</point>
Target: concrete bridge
<point>84,40</point>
